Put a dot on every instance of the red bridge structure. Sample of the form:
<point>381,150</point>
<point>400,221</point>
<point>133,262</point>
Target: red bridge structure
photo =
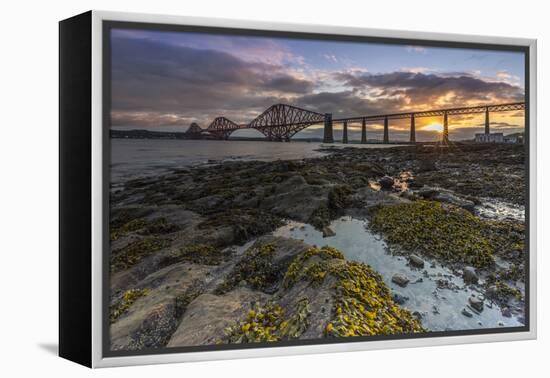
<point>281,121</point>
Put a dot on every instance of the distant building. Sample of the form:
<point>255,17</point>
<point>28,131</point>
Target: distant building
<point>490,138</point>
<point>499,138</point>
<point>513,138</point>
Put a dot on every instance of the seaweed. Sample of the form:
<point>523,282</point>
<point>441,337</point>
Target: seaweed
<point>127,300</point>
<point>256,269</point>
<point>134,252</point>
<point>204,254</point>
<point>267,323</point>
<point>438,231</point>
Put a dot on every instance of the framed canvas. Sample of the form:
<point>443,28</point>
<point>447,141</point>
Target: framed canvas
<point>233,189</point>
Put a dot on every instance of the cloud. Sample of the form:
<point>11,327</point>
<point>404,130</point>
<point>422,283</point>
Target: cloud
<point>154,77</point>
<point>170,83</point>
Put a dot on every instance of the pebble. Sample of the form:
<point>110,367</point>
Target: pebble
<point>469,275</point>
<point>416,261</point>
<point>466,313</point>
<point>400,279</point>
<point>400,299</point>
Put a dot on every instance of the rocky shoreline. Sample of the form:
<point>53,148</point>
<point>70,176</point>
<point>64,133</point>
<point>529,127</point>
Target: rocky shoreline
<point>194,261</point>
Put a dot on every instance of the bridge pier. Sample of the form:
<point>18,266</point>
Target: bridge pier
<point>328,135</point>
<point>345,135</point>
<point>386,131</point>
<point>487,122</point>
<point>364,132</point>
<point>445,137</point>
<point>413,129</point>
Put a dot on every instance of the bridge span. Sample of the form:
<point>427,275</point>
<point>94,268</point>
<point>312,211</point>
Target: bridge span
<point>281,121</point>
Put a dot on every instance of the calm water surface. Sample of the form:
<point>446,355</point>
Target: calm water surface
<point>143,157</point>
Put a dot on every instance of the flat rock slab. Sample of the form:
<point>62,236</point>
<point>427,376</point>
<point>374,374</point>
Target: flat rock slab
<point>208,315</point>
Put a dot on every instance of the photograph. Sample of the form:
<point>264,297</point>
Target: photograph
<point>275,188</point>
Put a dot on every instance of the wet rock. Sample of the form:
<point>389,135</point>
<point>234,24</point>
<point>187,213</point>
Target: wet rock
<point>506,312</point>
<point>328,232</point>
<point>415,184</point>
<point>416,261</point>
<point>466,313</point>
<point>476,303</point>
<point>400,299</point>
<point>386,182</point>
<point>469,275</point>
<point>427,192</point>
<point>491,292</point>
<point>450,198</point>
<point>426,165</point>
<point>400,279</point>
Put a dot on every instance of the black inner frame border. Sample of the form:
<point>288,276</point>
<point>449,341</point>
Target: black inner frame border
<point>108,25</point>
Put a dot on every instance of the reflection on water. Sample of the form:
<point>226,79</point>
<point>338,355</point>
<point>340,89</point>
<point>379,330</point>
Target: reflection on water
<point>435,292</point>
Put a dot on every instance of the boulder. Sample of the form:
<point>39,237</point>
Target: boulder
<point>386,182</point>
<point>427,192</point>
<point>476,303</point>
<point>469,275</point>
<point>328,232</point>
<point>400,279</point>
<point>491,292</point>
<point>416,261</point>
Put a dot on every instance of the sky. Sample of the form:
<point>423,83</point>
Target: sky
<point>166,80</point>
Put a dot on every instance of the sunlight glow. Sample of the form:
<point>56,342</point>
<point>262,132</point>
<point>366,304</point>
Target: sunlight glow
<point>434,127</point>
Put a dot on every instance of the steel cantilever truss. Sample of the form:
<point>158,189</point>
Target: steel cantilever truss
<point>281,121</point>
<point>440,112</point>
<point>222,127</point>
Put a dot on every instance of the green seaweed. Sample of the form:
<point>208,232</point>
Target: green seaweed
<point>134,252</point>
<point>447,233</point>
<point>204,254</point>
<point>256,269</point>
<point>267,323</point>
<point>127,300</point>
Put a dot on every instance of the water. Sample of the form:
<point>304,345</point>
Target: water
<point>440,308</point>
<point>131,158</point>
<point>491,208</point>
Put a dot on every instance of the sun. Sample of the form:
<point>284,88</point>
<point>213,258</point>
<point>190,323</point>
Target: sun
<point>434,127</point>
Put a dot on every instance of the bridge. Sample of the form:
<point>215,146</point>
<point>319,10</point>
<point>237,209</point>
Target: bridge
<point>281,121</point>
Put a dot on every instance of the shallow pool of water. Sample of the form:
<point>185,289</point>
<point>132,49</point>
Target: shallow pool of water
<point>441,308</point>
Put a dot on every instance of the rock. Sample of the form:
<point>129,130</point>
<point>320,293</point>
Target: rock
<point>399,299</point>
<point>327,232</point>
<point>500,323</point>
<point>426,165</point>
<point>469,275</point>
<point>476,303</point>
<point>506,312</point>
<point>450,198</point>
<point>400,279</point>
<point>417,315</point>
<point>427,192</point>
<point>416,261</point>
<point>491,292</point>
<point>466,313</point>
<point>414,184</point>
<point>386,182</point>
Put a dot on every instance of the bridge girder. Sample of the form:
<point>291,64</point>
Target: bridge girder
<point>281,121</point>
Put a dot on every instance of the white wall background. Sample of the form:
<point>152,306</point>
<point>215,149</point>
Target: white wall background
<point>28,211</point>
